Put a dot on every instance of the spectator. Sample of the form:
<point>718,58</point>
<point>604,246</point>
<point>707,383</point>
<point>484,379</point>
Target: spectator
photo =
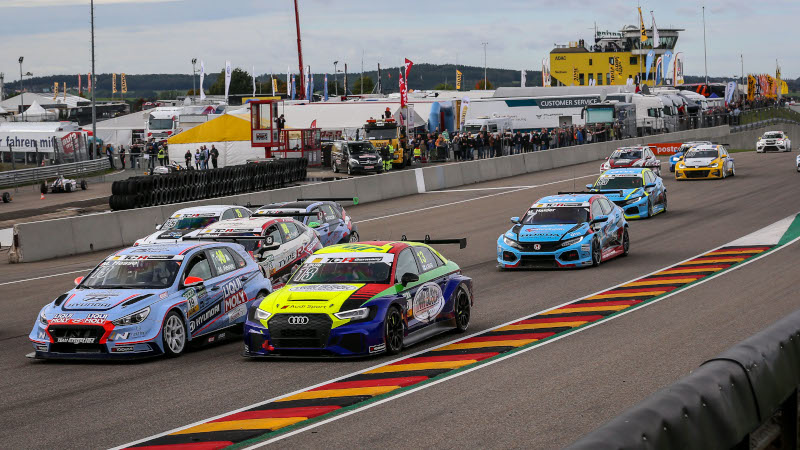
<point>197,158</point>
<point>517,143</point>
<point>281,123</point>
<point>110,154</point>
<point>188,157</point>
<point>162,156</point>
<point>457,147</point>
<point>122,156</point>
<point>526,142</point>
<point>545,139</point>
<point>214,155</point>
<point>202,158</point>
<point>151,155</point>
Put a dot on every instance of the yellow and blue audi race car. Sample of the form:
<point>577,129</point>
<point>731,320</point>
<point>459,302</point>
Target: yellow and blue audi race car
<point>359,299</point>
<point>639,192</point>
<point>705,162</point>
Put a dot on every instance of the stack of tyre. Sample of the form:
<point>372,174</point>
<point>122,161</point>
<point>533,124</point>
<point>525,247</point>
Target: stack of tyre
<point>189,185</point>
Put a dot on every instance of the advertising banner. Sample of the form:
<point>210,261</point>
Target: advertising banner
<point>665,148</point>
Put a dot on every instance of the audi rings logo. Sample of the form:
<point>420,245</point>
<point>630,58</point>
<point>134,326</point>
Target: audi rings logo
<point>298,320</point>
<point>537,246</point>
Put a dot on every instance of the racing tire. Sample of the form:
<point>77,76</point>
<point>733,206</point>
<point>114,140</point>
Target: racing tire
<point>6,197</point>
<point>798,168</point>
<point>349,170</point>
<point>733,170</point>
<point>626,242</point>
<point>354,237</point>
<point>68,187</point>
<point>649,208</point>
<point>335,167</point>
<point>665,203</point>
<point>173,335</point>
<point>462,307</point>
<point>84,186</point>
<point>597,253</point>
<point>393,331</point>
<point>43,188</point>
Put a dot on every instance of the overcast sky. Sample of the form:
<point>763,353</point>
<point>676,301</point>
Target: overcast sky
<point>162,36</point>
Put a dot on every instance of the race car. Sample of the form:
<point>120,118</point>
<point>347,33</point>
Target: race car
<point>796,163</point>
<point>188,222</point>
<point>278,244</point>
<point>325,215</point>
<point>639,192</point>
<point>705,162</point>
<point>673,160</point>
<point>566,230</point>
<point>641,156</point>
<point>62,184</point>
<point>151,300</point>
<point>775,141</point>
<point>362,299</point>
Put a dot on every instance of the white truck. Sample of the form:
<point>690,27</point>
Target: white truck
<point>163,122</point>
<point>489,124</point>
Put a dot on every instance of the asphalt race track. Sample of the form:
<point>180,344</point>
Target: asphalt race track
<point>543,398</point>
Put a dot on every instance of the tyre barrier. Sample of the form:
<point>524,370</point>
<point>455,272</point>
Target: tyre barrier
<point>749,392</point>
<point>189,185</point>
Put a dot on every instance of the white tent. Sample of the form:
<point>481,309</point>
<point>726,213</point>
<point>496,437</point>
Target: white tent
<point>35,113</point>
<point>119,130</point>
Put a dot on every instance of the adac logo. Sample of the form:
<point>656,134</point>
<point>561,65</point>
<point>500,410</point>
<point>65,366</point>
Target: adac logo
<point>561,58</point>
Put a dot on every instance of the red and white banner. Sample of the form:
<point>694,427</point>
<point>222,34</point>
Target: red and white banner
<point>408,69</point>
<point>70,142</point>
<point>403,92</point>
<point>665,148</point>
<point>89,83</point>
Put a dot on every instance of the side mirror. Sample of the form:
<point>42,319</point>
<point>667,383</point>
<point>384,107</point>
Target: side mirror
<point>589,186</point>
<point>649,186</point>
<point>409,277</point>
<point>192,281</point>
<point>158,227</point>
<point>515,220</point>
<point>78,280</point>
<point>313,224</point>
<point>598,219</point>
<point>606,157</point>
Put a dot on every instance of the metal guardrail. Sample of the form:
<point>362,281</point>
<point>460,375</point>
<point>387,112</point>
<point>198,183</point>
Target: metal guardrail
<point>36,174</point>
<point>763,123</point>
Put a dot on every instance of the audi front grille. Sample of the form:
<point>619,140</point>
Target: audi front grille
<point>293,331</point>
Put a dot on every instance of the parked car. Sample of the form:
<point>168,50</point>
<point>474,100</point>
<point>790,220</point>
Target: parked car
<point>355,156</point>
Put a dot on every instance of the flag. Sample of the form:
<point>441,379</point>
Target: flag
<point>751,88</point>
<point>89,82</point>
<point>642,29</point>
<point>293,88</point>
<point>655,33</point>
<point>124,82</point>
<point>254,81</point>
<point>464,109</point>
<point>313,124</point>
<point>202,77</point>
<point>274,86</point>
<point>649,63</point>
<point>65,91</point>
<point>666,59</point>
<point>403,91</point>
<point>113,83</point>
<point>677,75</point>
<point>288,81</point>
<point>522,79</point>
<point>458,79</point>
<point>55,90</point>
<point>408,65</point>
<point>228,73</point>
<point>325,88</point>
<point>80,89</point>
<point>659,70</point>
<point>730,88</point>
<point>545,73</point>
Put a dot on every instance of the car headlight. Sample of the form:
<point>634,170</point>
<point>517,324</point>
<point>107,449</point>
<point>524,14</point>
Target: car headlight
<point>633,200</point>
<point>380,160</point>
<point>260,314</point>
<point>681,165</point>
<point>353,314</point>
<point>353,162</point>
<point>130,319</point>
<point>42,318</point>
<point>570,242</point>
<point>714,165</point>
<point>511,243</point>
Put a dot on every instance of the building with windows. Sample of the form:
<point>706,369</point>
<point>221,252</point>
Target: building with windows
<point>613,59</point>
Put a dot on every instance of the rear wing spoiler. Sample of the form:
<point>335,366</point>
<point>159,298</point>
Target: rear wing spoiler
<point>269,243</point>
<point>354,200</point>
<point>285,214</point>
<point>462,242</point>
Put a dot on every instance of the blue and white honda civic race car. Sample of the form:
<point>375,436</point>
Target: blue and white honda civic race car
<point>151,300</point>
<point>326,215</point>
<point>565,230</point>
<point>639,192</point>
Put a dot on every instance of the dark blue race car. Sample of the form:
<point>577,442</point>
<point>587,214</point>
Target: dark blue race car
<point>565,230</point>
<point>326,216</point>
<point>639,192</point>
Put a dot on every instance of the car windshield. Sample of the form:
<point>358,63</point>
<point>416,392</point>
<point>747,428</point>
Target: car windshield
<point>188,223</point>
<point>612,182</point>
<point>382,133</point>
<point>627,154</point>
<point>360,148</point>
<point>773,135</point>
<point>132,274</point>
<point>556,216</point>
<point>160,124</point>
<point>700,153</point>
<point>358,268</point>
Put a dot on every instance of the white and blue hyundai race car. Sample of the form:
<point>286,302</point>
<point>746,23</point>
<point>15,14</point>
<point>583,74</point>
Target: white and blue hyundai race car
<point>151,300</point>
<point>565,230</point>
<point>188,222</point>
<point>639,192</point>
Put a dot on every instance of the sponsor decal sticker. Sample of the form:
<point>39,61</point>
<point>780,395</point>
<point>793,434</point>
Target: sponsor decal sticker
<point>122,349</point>
<point>428,302</point>
<point>323,288</point>
<point>41,347</point>
<point>377,348</point>
<point>236,313</point>
<point>204,317</point>
<point>61,318</point>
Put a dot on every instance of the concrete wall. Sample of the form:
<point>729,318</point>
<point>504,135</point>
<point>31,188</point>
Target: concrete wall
<point>746,140</point>
<point>37,241</point>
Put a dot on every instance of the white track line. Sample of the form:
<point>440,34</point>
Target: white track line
<point>472,199</point>
<point>46,276</point>
<point>516,189</point>
<point>425,350</point>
